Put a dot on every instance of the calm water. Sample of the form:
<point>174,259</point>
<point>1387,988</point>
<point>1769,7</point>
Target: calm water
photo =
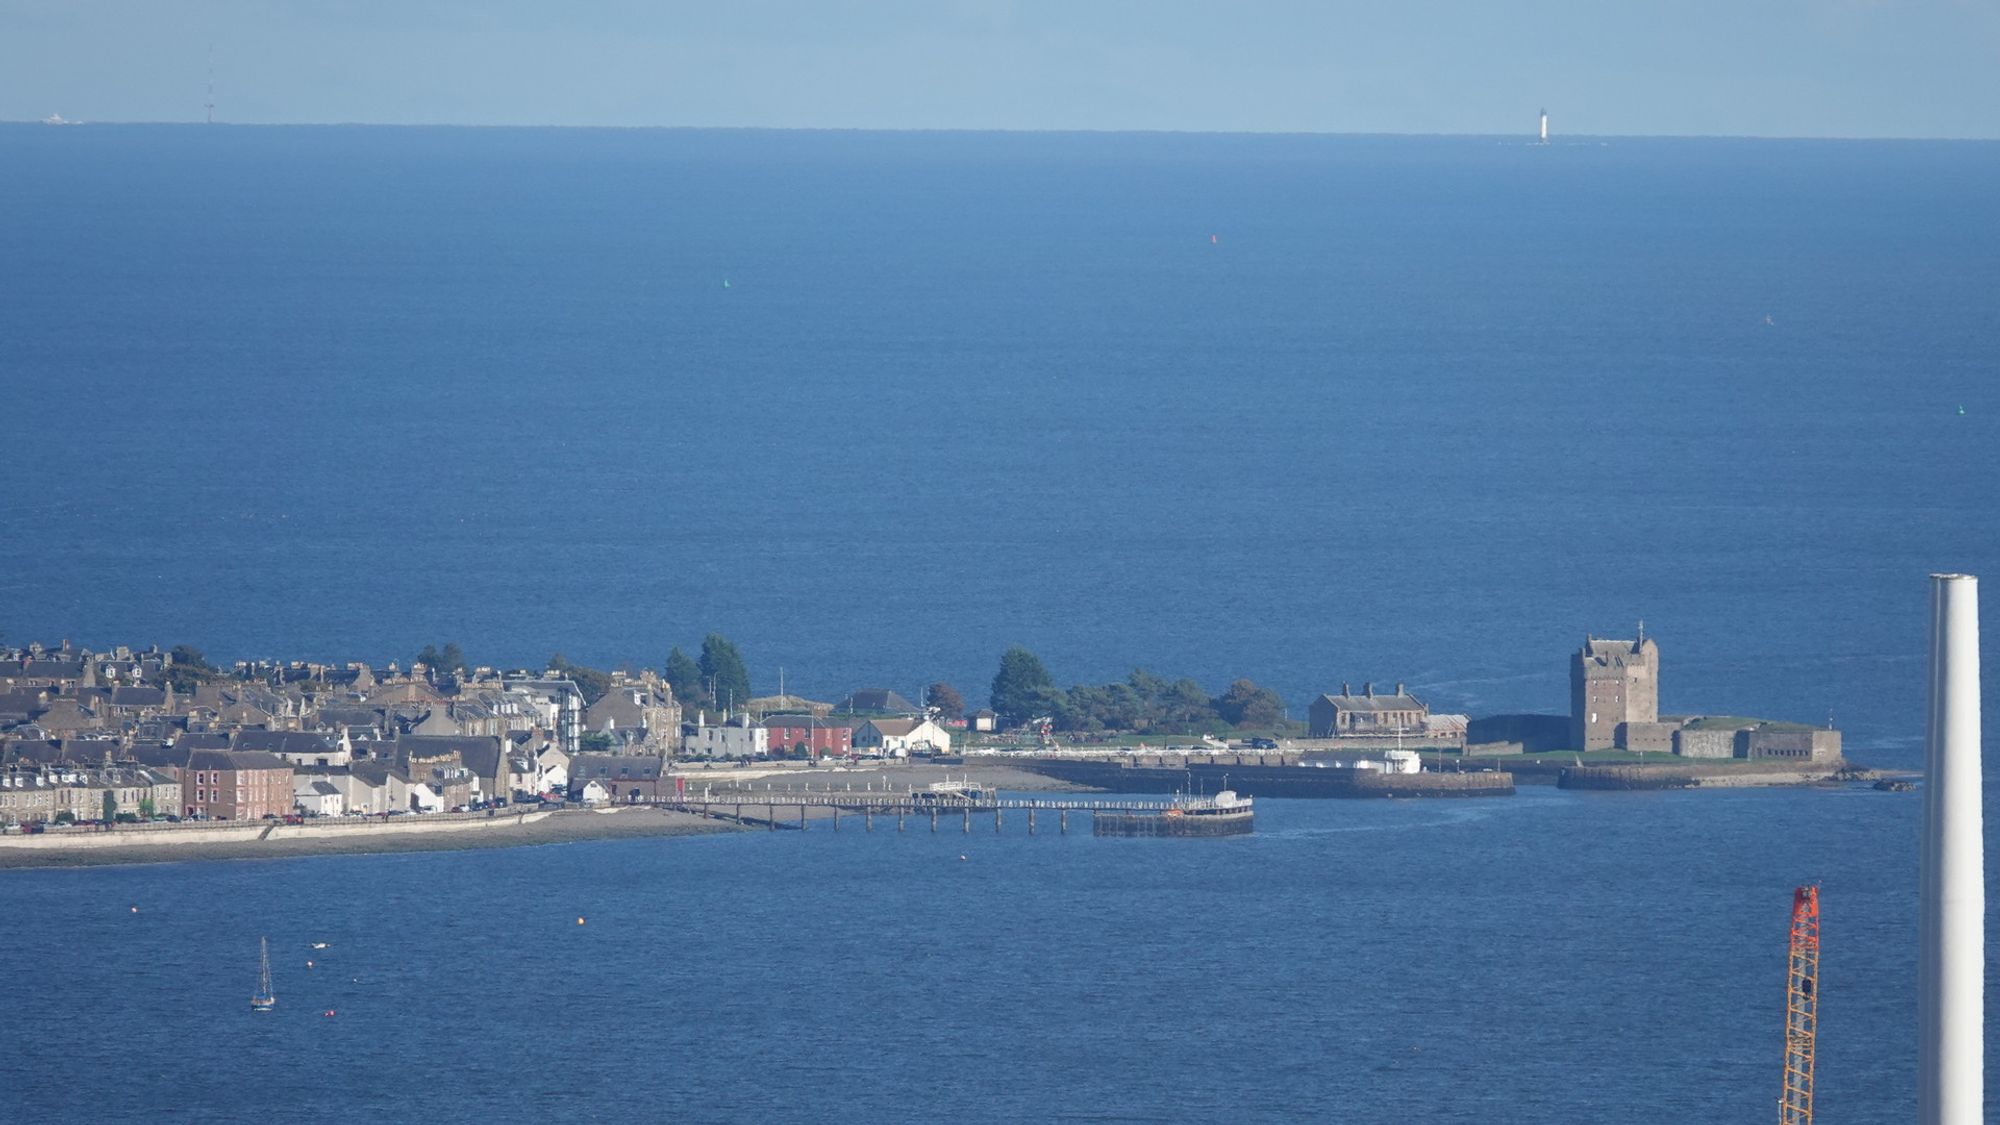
<point>1303,409</point>
<point>1555,958</point>
<point>1425,410</point>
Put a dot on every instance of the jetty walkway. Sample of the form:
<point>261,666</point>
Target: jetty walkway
<point>793,810</point>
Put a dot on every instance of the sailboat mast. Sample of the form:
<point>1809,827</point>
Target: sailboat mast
<point>263,1001</point>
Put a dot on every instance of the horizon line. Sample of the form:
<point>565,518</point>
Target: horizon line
<point>1529,135</point>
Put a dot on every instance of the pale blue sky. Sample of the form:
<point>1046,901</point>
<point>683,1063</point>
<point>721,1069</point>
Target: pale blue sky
<point>1856,68</point>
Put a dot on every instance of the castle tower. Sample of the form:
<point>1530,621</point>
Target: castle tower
<point>1612,682</point>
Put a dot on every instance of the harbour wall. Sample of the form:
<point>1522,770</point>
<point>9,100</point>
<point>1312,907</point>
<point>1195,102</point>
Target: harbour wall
<point>1254,780</point>
<point>1694,775</point>
<point>202,835</point>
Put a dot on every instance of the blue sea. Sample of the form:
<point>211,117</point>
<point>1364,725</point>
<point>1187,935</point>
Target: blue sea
<point>876,406</point>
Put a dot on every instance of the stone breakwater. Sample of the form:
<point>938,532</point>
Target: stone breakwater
<point>1696,776</point>
<point>1254,780</point>
<point>436,832</point>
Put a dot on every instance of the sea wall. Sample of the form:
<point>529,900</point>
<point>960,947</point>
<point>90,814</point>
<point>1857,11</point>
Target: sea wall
<point>1268,780</point>
<point>203,835</point>
<point>1696,775</point>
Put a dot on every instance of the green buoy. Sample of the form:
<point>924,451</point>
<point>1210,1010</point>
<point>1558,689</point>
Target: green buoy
<point>725,283</point>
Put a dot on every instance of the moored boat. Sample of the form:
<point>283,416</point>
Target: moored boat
<point>1224,814</point>
<point>264,1000</point>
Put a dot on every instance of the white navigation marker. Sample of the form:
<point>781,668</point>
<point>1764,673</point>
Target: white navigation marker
<point>1545,126</point>
<point>1951,1042</point>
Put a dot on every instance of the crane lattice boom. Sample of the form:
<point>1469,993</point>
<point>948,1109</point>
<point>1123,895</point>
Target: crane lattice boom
<point>1801,1009</point>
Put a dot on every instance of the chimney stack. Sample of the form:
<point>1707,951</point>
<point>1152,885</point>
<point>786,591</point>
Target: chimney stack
<point>1345,689</point>
<point>1368,689</point>
<point>1399,687</point>
<point>1952,928</point>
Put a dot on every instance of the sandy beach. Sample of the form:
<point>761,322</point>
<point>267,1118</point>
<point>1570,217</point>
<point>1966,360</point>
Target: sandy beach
<point>563,827</point>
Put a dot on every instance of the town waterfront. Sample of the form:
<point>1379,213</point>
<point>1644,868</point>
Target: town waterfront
<point>1557,957</point>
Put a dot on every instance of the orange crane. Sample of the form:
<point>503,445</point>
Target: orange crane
<point>1801,1009</point>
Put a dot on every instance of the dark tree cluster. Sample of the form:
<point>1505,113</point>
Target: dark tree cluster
<point>718,681</point>
<point>592,682</point>
<point>187,667</point>
<point>1023,691</point>
<point>446,662</point>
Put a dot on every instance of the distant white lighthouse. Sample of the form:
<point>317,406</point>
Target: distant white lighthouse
<point>1545,126</point>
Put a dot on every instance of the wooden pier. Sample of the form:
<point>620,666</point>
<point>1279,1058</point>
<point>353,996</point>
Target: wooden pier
<point>796,811</point>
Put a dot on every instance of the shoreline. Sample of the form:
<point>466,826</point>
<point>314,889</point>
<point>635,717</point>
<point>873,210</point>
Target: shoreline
<point>366,838</point>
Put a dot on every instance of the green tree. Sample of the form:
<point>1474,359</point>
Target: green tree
<point>110,806</point>
<point>147,809</point>
<point>449,661</point>
<point>684,676</point>
<point>722,666</point>
<point>1247,705</point>
<point>1022,688</point>
<point>590,681</point>
<point>186,668</point>
<point>944,697</point>
<point>1187,705</point>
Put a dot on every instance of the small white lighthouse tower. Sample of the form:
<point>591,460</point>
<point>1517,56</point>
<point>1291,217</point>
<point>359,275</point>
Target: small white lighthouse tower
<point>1545,126</point>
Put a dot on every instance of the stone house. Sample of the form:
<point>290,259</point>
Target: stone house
<point>235,785</point>
<point>300,748</point>
<point>626,777</point>
<point>1348,715</point>
<point>317,796</point>
<point>820,737</point>
<point>27,797</point>
<point>637,713</point>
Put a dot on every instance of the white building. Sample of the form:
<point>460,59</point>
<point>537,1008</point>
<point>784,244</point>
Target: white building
<point>317,796</point>
<point>899,738</point>
<point>554,767</point>
<point>727,741</point>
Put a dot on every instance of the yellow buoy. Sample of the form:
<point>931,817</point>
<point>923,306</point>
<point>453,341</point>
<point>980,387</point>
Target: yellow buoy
<point>579,921</point>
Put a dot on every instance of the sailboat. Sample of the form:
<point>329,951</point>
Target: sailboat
<point>263,1001</point>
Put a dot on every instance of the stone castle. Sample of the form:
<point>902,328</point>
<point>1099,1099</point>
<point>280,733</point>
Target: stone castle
<point>1614,703</point>
<point>1612,683</point>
